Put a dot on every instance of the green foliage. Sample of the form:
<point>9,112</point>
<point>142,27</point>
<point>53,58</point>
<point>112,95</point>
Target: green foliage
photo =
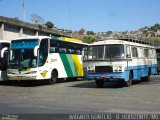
<point>49,24</point>
<point>81,31</point>
<point>89,39</point>
<point>90,33</point>
<point>155,27</point>
<point>109,32</point>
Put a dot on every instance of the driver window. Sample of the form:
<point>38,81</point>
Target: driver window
<point>43,52</point>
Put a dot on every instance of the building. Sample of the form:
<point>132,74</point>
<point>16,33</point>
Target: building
<point>11,28</point>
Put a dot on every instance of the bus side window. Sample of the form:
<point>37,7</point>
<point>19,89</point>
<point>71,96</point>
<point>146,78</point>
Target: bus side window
<point>146,52</point>
<point>79,50</point>
<point>62,48</point>
<point>128,52</point>
<point>54,47</point>
<point>134,52</point>
<point>71,49</point>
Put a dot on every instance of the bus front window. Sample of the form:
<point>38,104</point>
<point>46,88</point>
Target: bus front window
<point>22,53</point>
<point>96,52</point>
<point>114,51</point>
<point>23,58</point>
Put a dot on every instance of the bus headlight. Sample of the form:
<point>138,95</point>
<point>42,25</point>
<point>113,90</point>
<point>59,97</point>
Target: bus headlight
<point>117,68</point>
<point>90,68</point>
<point>120,68</point>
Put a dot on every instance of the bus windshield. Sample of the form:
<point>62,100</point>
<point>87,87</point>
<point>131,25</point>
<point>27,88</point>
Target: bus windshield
<point>102,52</point>
<point>22,53</point>
<point>22,58</point>
<point>114,51</point>
<point>96,52</point>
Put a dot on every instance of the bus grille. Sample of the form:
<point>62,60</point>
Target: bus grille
<point>108,69</point>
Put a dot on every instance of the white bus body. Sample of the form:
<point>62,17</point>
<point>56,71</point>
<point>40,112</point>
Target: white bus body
<point>41,57</point>
<point>4,45</point>
<point>120,60</point>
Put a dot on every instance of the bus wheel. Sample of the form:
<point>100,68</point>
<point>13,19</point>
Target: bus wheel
<point>146,79</point>
<point>99,83</point>
<point>129,82</point>
<point>54,77</point>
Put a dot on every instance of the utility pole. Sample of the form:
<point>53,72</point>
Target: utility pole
<point>23,10</point>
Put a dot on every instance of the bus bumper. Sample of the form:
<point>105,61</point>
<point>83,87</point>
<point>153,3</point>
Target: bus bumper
<point>21,77</point>
<point>117,76</point>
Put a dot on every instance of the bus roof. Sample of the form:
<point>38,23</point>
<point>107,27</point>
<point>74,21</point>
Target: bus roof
<point>5,41</point>
<point>117,41</point>
<point>66,39</point>
<point>32,37</point>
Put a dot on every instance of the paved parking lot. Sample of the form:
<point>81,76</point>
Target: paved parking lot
<point>79,97</point>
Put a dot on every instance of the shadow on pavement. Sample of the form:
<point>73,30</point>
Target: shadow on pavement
<point>114,85</point>
<point>29,83</point>
<point>23,83</point>
<point>92,84</point>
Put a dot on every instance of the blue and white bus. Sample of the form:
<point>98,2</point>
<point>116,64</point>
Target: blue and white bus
<point>120,60</point>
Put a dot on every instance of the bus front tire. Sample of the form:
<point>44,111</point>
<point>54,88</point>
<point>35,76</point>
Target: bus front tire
<point>54,77</point>
<point>129,82</point>
<point>146,79</point>
<point>99,83</point>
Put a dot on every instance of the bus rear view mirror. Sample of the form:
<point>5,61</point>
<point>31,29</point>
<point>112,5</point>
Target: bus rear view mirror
<point>36,51</point>
<point>3,52</point>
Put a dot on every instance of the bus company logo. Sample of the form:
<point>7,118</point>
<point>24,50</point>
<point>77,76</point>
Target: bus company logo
<point>53,60</point>
<point>44,73</point>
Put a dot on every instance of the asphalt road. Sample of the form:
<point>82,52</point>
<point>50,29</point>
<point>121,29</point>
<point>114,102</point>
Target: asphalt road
<point>79,97</point>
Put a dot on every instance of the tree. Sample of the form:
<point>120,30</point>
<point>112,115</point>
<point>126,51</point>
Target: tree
<point>90,33</point>
<point>109,32</point>
<point>81,31</point>
<point>89,39</point>
<point>36,19</point>
<point>49,24</point>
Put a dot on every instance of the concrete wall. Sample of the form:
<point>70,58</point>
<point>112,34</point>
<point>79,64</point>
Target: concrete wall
<point>11,29</point>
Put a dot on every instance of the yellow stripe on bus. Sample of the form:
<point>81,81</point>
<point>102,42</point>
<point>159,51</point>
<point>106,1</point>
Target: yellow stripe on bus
<point>71,39</point>
<point>79,66</point>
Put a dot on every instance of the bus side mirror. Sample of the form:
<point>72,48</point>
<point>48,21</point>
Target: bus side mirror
<point>36,51</point>
<point>3,52</point>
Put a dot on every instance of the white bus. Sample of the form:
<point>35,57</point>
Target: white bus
<point>4,45</point>
<point>120,60</point>
<point>41,57</point>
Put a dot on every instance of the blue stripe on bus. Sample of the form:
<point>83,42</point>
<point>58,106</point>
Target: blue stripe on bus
<point>138,72</point>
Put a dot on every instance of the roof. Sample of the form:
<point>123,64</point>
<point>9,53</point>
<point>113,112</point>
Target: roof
<point>66,39</point>
<point>33,37</point>
<point>117,41</point>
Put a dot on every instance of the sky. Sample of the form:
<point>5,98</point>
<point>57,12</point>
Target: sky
<point>92,15</point>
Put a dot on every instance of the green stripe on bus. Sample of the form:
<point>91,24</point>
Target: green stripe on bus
<point>56,38</point>
<point>72,65</point>
<point>66,65</point>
